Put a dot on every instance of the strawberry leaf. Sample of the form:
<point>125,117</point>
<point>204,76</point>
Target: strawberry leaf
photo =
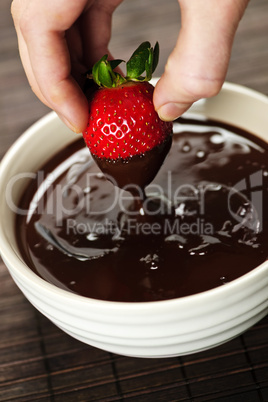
<point>115,63</point>
<point>144,59</point>
<point>137,62</point>
<point>95,69</point>
<point>102,72</point>
<point>155,57</point>
<point>104,75</point>
<point>149,65</point>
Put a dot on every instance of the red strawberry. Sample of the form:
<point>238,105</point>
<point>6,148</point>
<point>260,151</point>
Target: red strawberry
<point>122,121</point>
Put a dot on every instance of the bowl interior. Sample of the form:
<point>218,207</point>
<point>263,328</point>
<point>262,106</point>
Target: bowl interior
<point>236,105</point>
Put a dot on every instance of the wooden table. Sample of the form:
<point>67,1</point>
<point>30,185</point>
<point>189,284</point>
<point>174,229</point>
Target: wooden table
<point>38,362</point>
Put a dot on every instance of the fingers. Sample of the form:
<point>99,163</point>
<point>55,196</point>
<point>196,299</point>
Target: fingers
<point>55,36</point>
<point>41,27</point>
<point>197,66</point>
<point>17,9</point>
<point>96,26</point>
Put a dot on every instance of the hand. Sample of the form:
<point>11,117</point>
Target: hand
<point>197,66</point>
<point>58,41</point>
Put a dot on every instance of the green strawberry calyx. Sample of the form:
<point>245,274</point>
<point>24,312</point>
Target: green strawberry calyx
<point>139,68</point>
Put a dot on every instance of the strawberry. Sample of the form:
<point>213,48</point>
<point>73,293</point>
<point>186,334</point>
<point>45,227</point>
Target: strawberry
<point>122,121</point>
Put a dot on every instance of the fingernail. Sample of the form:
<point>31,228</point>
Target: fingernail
<point>171,111</point>
<point>68,123</point>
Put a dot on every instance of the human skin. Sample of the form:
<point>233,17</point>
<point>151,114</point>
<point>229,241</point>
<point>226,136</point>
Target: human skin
<point>60,39</point>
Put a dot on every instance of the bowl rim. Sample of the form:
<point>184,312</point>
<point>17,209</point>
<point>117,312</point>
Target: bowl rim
<point>11,258</point>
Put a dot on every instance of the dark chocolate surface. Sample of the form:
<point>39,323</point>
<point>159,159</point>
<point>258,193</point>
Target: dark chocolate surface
<point>204,221</point>
<point>136,172</point>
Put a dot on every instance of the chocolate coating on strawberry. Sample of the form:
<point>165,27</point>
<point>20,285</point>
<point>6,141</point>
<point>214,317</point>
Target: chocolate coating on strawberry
<point>135,173</point>
<point>122,121</point>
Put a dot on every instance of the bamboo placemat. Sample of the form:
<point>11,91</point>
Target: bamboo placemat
<point>38,362</point>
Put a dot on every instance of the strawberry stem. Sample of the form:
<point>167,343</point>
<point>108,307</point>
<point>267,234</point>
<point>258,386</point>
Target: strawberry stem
<point>143,60</point>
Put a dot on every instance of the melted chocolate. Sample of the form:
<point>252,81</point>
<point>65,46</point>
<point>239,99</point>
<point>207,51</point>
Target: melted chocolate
<point>204,221</point>
<point>137,172</point>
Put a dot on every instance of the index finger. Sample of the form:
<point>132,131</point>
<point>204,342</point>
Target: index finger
<point>43,25</point>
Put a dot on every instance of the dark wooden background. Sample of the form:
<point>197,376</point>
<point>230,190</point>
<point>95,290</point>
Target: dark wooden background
<point>40,363</point>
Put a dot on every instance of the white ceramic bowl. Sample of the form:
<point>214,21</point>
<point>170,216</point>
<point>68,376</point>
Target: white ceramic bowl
<point>149,329</point>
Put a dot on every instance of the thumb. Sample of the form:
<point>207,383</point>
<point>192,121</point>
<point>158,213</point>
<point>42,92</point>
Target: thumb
<point>198,64</point>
